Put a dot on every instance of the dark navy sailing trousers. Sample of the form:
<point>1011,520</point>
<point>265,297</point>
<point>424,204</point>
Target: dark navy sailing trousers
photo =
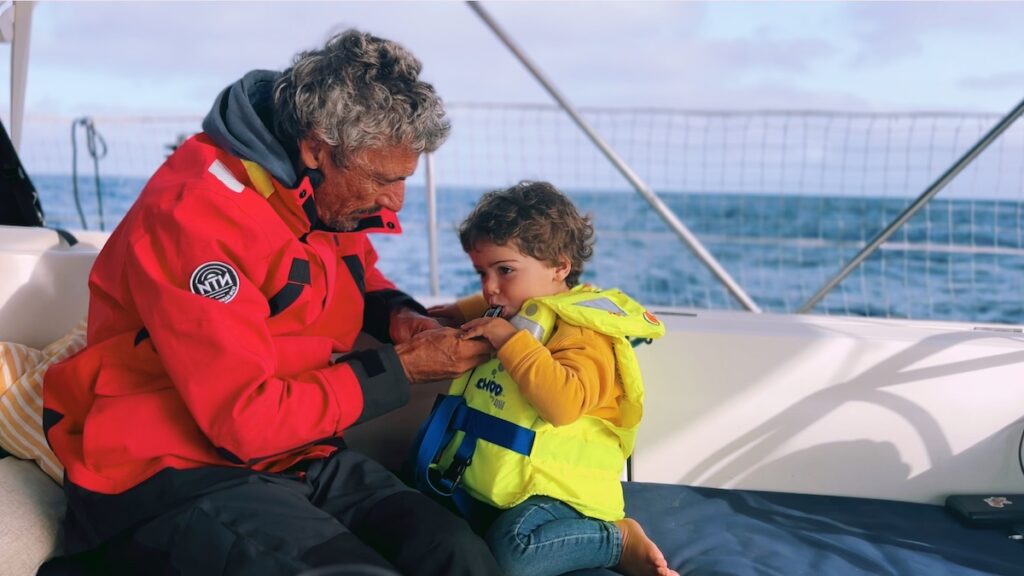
<point>342,515</point>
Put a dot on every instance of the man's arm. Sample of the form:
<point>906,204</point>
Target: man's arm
<point>253,396</point>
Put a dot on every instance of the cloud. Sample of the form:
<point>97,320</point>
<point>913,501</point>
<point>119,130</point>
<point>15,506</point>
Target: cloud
<point>779,95</point>
<point>765,51</point>
<point>609,54</point>
<point>889,31</point>
<point>194,49</point>
<point>997,81</point>
<point>162,57</point>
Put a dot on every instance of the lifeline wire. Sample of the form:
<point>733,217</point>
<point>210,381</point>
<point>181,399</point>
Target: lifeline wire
<point>97,148</point>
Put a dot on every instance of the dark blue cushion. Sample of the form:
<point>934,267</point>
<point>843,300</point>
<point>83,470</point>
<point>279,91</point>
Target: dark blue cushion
<point>737,532</point>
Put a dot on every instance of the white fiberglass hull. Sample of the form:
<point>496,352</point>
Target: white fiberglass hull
<point>895,409</point>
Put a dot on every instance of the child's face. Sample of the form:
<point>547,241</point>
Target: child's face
<point>508,277</point>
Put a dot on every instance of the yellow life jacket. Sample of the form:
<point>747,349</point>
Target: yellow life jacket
<point>580,463</point>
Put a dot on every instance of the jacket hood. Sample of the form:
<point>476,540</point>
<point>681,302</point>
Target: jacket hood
<point>240,122</point>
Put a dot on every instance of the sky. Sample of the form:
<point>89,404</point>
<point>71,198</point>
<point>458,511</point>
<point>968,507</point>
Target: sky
<point>140,58</point>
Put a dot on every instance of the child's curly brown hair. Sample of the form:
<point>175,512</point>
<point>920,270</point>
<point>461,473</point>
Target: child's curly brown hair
<point>538,220</point>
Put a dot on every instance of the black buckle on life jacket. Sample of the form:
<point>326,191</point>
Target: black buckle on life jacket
<point>453,475</point>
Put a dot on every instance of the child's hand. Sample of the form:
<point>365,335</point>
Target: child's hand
<point>497,331</point>
<point>447,315</point>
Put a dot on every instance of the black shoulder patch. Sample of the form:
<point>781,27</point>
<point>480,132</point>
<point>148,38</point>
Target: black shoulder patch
<point>215,280</point>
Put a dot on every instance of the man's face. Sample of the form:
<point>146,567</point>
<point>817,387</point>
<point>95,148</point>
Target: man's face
<point>372,179</point>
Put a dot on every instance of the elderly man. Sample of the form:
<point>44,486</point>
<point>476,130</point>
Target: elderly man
<point>201,427</point>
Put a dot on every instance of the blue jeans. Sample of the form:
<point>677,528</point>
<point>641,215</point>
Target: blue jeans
<point>546,537</point>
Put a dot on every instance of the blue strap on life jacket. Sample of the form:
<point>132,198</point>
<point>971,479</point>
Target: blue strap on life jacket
<point>451,414</point>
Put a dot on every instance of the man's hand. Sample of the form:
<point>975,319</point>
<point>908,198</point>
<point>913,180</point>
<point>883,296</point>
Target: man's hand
<point>406,323</point>
<point>497,331</point>
<point>447,315</point>
<point>440,354</point>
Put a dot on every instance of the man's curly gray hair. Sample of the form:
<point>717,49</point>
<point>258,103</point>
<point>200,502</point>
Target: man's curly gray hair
<point>358,92</point>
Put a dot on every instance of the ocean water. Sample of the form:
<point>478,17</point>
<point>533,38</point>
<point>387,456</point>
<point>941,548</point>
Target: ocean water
<point>959,260</point>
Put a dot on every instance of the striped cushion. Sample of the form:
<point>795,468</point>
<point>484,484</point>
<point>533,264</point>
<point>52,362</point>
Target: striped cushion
<point>21,397</point>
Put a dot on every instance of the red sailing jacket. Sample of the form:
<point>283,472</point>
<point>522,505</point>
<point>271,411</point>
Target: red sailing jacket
<point>214,313</point>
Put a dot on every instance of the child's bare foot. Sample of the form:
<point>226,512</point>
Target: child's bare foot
<point>640,555</point>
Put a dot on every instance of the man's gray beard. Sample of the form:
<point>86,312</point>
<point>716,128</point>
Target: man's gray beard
<point>351,222</point>
<point>342,224</point>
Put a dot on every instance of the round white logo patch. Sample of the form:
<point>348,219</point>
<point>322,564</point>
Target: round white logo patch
<point>215,280</point>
